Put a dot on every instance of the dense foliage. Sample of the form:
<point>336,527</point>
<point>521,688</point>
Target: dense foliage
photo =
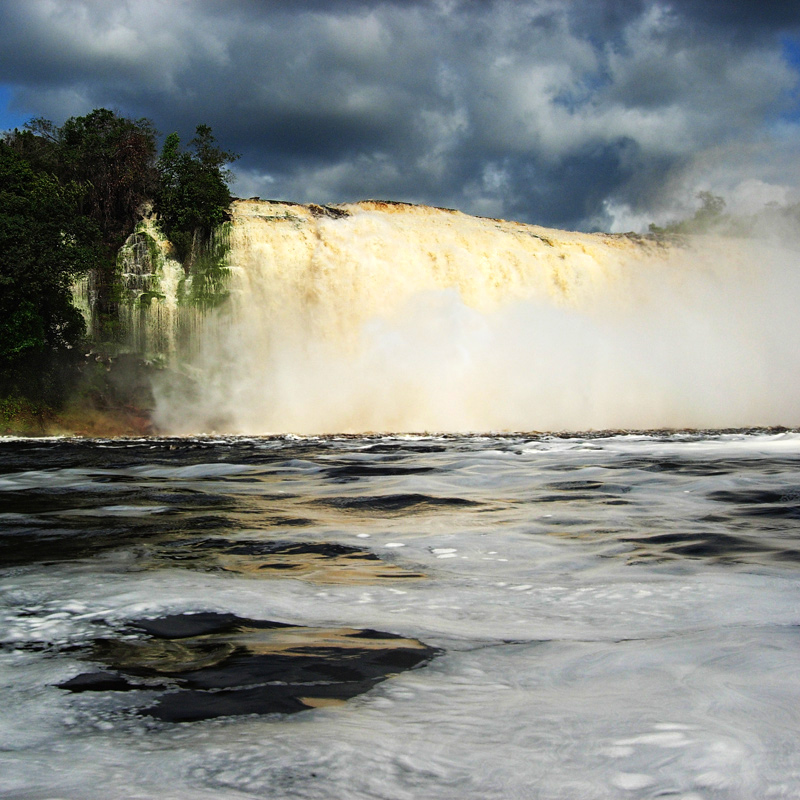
<point>69,196</point>
<point>111,160</point>
<point>193,196</point>
<point>44,246</point>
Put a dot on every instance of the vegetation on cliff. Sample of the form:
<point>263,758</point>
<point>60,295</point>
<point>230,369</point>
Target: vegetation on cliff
<point>69,197</point>
<point>192,197</point>
<point>712,217</point>
<point>708,218</point>
<point>44,246</point>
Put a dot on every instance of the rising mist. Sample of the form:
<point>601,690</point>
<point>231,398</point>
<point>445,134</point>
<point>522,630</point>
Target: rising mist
<point>397,318</point>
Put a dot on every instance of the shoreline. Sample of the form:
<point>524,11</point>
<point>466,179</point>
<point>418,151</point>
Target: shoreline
<point>136,423</point>
<point>31,421</point>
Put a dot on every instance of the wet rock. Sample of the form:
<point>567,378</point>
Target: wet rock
<point>101,682</point>
<point>327,211</point>
<point>214,665</point>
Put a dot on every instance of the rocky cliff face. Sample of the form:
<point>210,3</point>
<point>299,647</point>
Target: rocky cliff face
<point>160,302</point>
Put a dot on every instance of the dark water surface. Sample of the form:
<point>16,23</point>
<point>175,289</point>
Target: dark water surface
<point>401,617</point>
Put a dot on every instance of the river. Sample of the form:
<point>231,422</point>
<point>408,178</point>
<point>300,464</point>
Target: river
<point>596,616</point>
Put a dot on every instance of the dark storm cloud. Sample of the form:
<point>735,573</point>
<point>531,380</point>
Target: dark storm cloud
<point>750,17</point>
<point>565,113</point>
<point>746,19</point>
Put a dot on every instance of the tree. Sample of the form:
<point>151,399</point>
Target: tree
<point>193,195</point>
<point>37,143</point>
<point>69,196</point>
<point>111,159</point>
<point>44,246</point>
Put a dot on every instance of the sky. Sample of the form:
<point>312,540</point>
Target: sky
<point>588,115</point>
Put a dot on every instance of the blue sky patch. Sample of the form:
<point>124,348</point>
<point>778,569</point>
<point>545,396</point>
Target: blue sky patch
<point>791,52</point>
<point>8,117</point>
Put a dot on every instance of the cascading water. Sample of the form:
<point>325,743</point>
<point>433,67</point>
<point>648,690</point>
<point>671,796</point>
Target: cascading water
<point>163,304</point>
<point>391,317</point>
<point>152,315</point>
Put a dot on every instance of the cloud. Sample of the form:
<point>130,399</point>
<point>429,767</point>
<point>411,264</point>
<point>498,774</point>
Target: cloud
<point>541,110</point>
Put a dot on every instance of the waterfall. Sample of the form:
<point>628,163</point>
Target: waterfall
<point>162,306</point>
<point>150,311</point>
<point>397,318</point>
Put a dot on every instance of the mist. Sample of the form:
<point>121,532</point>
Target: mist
<point>396,318</point>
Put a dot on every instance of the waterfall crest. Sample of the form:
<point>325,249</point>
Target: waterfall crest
<point>396,318</point>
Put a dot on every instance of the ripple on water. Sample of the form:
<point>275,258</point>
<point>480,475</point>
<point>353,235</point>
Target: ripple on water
<point>320,562</point>
<point>618,615</point>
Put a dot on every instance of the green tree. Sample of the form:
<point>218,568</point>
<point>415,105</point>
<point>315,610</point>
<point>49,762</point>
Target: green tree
<point>111,159</point>
<point>69,196</point>
<point>44,246</point>
<point>37,143</point>
<point>193,196</point>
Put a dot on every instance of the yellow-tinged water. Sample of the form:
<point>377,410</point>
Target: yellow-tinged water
<point>373,260</point>
<point>391,317</point>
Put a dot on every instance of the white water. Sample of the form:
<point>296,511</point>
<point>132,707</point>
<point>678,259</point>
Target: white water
<point>156,315</point>
<point>404,318</point>
<point>575,667</point>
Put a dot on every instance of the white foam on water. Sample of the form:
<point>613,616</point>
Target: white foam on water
<point>567,670</point>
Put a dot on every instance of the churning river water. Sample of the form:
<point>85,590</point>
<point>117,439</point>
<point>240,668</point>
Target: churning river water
<point>401,617</point>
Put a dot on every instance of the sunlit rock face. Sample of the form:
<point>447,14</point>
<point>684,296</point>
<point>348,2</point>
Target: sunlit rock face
<point>385,317</point>
<point>208,664</point>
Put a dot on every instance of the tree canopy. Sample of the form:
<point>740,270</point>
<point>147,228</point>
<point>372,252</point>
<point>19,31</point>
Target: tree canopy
<point>193,195</point>
<point>111,161</point>
<point>44,247</point>
<point>69,196</point>
<point>111,158</point>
